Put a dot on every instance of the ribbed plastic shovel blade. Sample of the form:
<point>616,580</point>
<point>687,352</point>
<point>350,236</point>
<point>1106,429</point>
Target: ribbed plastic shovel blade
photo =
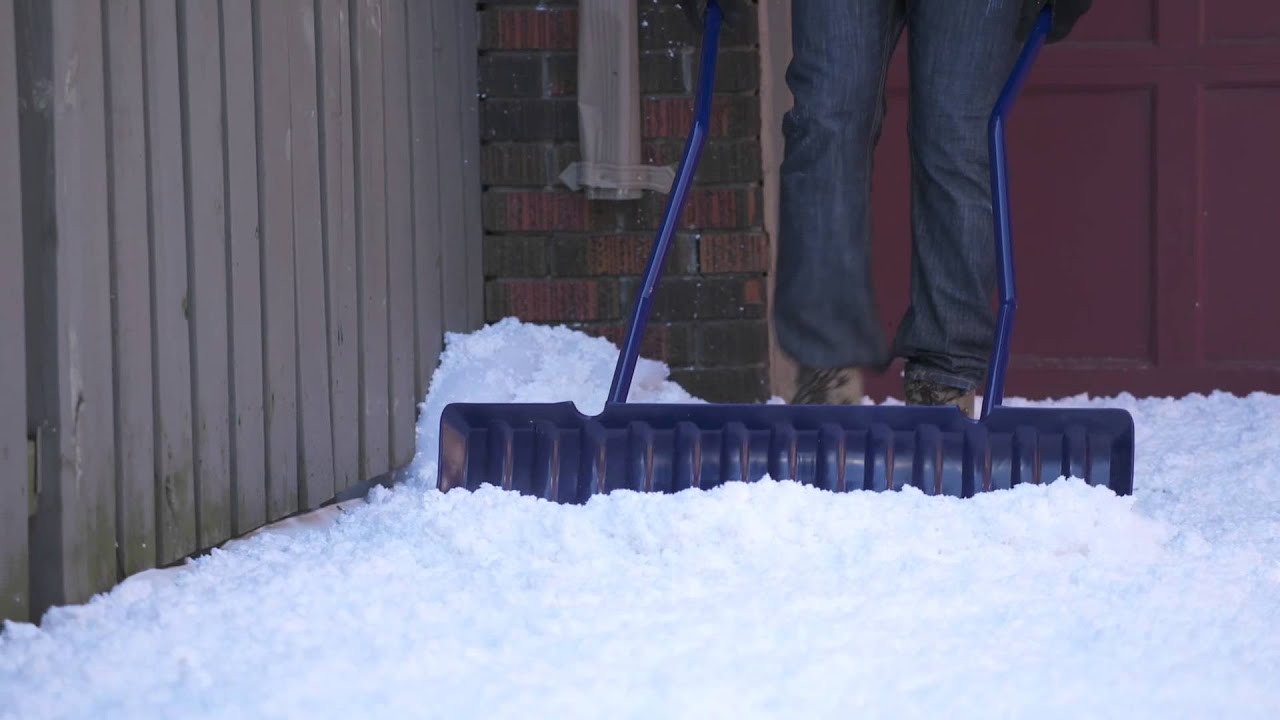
<point>554,452</point>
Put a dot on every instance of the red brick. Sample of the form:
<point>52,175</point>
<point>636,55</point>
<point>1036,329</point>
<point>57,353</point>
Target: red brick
<point>555,257</point>
<point>616,255</point>
<point>515,256</point>
<point>669,343</point>
<point>563,155</point>
<point>516,164</point>
<point>733,253</point>
<point>608,217</point>
<point>736,71</point>
<point>558,301</point>
<point>629,254</point>
<point>619,254</point>
<point>718,297</point>
<point>530,119</point>
<point>529,29</point>
<point>735,342</point>
<point>561,75</point>
<point>672,117</point>
<point>664,72</point>
<point>725,385</point>
<point>721,208</point>
<point>668,70</point>
<point>511,75</point>
<point>664,26</point>
<point>535,211</point>
<point>728,208</point>
<point>722,161</point>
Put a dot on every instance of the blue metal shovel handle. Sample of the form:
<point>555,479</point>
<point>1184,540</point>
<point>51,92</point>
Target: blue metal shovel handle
<point>994,393</point>
<point>675,205</point>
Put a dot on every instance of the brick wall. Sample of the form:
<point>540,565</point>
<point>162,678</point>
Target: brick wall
<point>552,256</point>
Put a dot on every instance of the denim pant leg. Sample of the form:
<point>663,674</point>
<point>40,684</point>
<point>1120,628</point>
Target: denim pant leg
<point>960,54</point>
<point>824,309</point>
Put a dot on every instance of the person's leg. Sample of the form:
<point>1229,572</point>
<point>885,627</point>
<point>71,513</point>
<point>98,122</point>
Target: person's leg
<point>960,54</point>
<point>824,311</point>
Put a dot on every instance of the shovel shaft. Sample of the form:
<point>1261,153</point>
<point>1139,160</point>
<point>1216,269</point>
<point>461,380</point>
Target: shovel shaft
<point>553,451</point>
<point>675,206</point>
<point>994,392</point>
<point>643,305</point>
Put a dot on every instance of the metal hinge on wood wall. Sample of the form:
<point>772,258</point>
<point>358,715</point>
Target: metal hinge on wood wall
<point>33,476</point>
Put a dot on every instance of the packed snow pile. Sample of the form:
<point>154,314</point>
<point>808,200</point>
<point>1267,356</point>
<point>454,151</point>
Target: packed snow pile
<point>753,600</point>
<point>511,361</point>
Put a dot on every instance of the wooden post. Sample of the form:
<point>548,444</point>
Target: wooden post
<point>74,527</point>
<point>399,233</point>
<point>369,110</point>
<point>249,488</point>
<point>279,312</point>
<point>131,276</point>
<point>315,435</point>
<point>775,100</point>
<point>203,132</point>
<point>427,186</point>
<point>338,200</point>
<point>14,591</point>
<point>453,232</point>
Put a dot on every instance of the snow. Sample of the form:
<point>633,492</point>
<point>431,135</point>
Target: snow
<point>753,600</point>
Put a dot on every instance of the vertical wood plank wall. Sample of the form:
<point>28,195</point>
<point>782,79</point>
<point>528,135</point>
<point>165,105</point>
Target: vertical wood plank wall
<point>14,597</point>
<point>231,243</point>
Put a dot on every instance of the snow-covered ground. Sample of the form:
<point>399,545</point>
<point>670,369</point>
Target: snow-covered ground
<point>760,600</point>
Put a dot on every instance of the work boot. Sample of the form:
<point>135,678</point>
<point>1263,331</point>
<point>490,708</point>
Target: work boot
<point>925,392</point>
<point>828,386</point>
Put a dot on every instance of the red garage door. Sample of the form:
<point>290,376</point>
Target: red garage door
<point>1145,162</point>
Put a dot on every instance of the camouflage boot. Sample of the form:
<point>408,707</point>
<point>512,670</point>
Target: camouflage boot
<point>833,386</point>
<point>923,392</point>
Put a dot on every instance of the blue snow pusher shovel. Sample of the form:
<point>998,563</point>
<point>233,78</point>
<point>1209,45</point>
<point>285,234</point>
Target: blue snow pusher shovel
<point>552,451</point>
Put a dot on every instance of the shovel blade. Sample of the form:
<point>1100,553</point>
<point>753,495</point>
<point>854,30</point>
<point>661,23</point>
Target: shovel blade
<point>554,452</point>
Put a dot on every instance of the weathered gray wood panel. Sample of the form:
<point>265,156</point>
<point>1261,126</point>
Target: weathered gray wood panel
<point>399,231</point>
<point>276,200</point>
<point>74,528</point>
<point>34,45</point>
<point>236,217</point>
<point>249,487</point>
<point>14,591</point>
<point>448,68</point>
<point>315,431</point>
<point>468,99</point>
<point>371,221</point>
<point>338,163</point>
<point>428,297</point>
<point>339,238</point>
<point>166,187</point>
<point>131,291</point>
<point>207,266</point>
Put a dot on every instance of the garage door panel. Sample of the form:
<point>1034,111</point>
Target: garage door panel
<point>1083,239</point>
<point>891,213</point>
<point>1145,161</point>
<point>1239,241</point>
<point>1237,21</point>
<point>1116,22</point>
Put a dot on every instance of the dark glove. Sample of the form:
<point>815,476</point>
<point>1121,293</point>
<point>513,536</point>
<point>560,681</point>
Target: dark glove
<point>695,10</point>
<point>1065,15</point>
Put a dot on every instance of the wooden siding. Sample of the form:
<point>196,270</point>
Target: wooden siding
<point>233,241</point>
<point>13,399</point>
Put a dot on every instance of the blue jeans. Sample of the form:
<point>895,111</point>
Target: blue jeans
<point>960,54</point>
